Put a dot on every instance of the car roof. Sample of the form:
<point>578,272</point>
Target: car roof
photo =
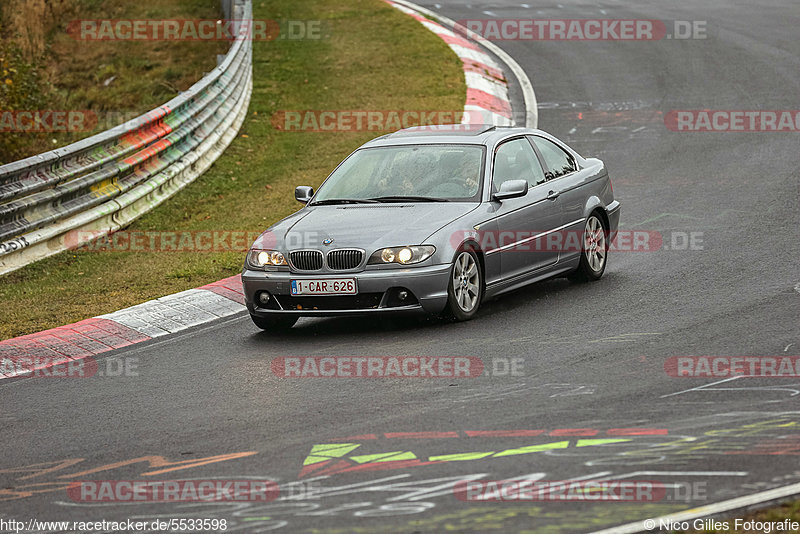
<point>476,134</point>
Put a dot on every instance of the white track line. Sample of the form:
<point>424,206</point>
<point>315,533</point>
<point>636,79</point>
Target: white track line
<point>698,388</point>
<point>705,511</point>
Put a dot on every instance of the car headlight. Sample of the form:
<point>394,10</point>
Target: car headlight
<point>260,259</point>
<point>402,255</point>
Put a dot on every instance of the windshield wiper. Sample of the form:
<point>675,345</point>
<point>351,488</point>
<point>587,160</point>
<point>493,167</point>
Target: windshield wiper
<point>402,198</point>
<point>343,201</point>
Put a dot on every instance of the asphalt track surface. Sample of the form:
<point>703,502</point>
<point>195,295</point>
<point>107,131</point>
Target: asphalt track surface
<point>593,354</point>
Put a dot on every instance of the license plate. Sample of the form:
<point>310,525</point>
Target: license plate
<point>326,286</point>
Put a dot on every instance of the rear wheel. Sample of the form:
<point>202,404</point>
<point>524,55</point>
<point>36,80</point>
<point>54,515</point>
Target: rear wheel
<point>274,323</point>
<point>594,251</point>
<point>465,289</point>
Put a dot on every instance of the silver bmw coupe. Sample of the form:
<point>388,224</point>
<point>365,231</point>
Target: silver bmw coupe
<point>434,220</point>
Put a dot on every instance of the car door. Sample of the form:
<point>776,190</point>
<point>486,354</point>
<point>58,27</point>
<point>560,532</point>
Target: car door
<point>567,180</point>
<point>522,223</point>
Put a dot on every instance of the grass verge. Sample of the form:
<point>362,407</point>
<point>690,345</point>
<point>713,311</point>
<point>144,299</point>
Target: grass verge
<point>43,67</point>
<point>372,58</point>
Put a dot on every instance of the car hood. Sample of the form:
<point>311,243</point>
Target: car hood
<point>367,226</point>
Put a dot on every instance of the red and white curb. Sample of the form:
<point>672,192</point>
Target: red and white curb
<point>487,102</point>
<point>487,90</point>
<point>23,356</point>
<point>480,71</point>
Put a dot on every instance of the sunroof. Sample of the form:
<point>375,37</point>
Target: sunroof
<point>444,129</point>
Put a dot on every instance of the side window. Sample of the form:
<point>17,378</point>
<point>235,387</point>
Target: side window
<point>558,162</point>
<point>516,160</point>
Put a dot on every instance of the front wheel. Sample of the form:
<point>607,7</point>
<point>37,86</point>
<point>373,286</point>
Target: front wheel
<point>465,289</point>
<point>594,251</point>
<point>273,323</point>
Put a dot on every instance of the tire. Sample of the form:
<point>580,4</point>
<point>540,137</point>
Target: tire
<point>594,251</point>
<point>274,323</point>
<point>465,289</point>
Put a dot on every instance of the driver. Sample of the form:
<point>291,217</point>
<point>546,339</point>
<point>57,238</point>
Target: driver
<point>405,187</point>
<point>468,175</point>
<point>458,176</point>
<point>405,177</point>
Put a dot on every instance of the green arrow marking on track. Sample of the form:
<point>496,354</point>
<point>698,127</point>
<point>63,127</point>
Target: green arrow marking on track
<point>384,457</point>
<point>327,451</point>
<point>534,448</point>
<point>591,442</point>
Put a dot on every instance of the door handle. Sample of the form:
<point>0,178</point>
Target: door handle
<point>552,195</point>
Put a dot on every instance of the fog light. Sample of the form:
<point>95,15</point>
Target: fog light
<point>400,296</point>
<point>263,297</point>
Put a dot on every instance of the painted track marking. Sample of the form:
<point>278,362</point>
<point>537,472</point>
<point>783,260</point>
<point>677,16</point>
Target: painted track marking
<point>698,388</point>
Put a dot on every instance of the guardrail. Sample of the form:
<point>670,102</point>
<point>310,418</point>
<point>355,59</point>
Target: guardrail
<point>102,183</point>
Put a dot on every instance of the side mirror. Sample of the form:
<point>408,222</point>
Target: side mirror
<point>303,193</point>
<point>512,189</point>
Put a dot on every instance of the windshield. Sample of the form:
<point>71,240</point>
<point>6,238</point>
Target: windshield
<point>409,172</point>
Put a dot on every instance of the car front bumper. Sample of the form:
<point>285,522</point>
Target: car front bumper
<point>377,290</point>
